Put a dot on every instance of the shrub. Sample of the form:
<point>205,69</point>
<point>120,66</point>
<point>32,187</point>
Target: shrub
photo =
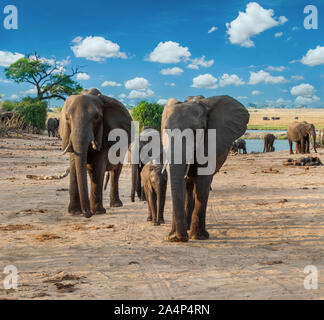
<point>32,111</point>
<point>148,115</point>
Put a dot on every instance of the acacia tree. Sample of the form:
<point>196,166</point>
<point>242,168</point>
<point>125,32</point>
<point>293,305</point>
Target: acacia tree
<point>48,78</point>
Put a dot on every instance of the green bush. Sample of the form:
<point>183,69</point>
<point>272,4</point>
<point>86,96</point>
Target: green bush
<point>32,111</point>
<point>148,115</point>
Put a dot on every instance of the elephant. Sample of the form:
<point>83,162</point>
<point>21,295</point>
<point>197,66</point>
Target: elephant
<point>85,124</point>
<point>189,186</point>
<point>52,126</point>
<point>300,132</point>
<point>269,140</point>
<point>138,167</point>
<point>155,185</point>
<point>240,144</point>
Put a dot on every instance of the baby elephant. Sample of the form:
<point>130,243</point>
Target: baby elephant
<point>155,185</point>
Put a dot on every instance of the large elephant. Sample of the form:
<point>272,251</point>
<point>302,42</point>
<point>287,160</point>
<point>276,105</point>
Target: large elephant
<point>300,132</point>
<point>85,123</point>
<point>269,140</point>
<point>137,167</point>
<point>189,188</point>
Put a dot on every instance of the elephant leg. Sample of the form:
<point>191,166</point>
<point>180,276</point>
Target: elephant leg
<point>75,205</point>
<point>151,199</point>
<point>198,223</point>
<point>160,197</point>
<point>291,146</point>
<point>189,202</point>
<point>139,189</point>
<point>115,201</point>
<point>97,175</point>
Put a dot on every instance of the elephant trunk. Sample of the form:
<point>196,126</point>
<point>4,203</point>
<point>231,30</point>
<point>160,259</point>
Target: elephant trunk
<point>314,142</point>
<point>177,181</point>
<point>81,173</point>
<point>134,181</point>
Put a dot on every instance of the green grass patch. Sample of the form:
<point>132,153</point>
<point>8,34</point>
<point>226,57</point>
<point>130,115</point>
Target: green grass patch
<point>265,127</point>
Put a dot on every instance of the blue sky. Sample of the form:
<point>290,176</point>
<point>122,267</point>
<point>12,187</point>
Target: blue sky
<point>156,50</point>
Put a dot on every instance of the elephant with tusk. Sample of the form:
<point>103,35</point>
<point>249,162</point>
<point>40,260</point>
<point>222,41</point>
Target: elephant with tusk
<point>190,186</point>
<point>85,123</point>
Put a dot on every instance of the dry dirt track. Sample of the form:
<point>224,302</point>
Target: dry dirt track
<point>265,228</point>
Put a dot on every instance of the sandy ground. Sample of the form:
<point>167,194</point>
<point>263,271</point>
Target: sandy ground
<point>265,229</point>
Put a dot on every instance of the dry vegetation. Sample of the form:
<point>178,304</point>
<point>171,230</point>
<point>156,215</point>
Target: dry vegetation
<point>315,116</point>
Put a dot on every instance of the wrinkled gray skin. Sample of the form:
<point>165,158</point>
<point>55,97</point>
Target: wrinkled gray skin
<point>137,186</point>
<point>85,123</point>
<point>155,186</point>
<point>190,194</point>
<point>269,140</point>
<point>53,126</point>
<point>300,132</point>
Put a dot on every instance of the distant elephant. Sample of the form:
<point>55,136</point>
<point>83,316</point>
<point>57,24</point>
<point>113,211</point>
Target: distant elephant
<point>85,123</point>
<point>269,140</point>
<point>155,186</point>
<point>137,168</point>
<point>300,132</point>
<point>240,144</point>
<point>189,188</point>
<point>52,127</point>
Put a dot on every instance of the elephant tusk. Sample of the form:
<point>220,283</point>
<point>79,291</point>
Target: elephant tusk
<point>94,145</point>
<point>165,166</point>
<point>187,171</point>
<point>66,149</point>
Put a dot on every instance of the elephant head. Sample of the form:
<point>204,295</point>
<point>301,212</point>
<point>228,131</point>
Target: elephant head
<point>85,123</point>
<point>223,113</point>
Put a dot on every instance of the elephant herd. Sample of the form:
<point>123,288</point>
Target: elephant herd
<point>88,119</point>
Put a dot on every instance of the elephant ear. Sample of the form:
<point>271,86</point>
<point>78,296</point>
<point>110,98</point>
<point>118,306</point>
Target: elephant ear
<point>229,117</point>
<point>116,116</point>
<point>64,128</point>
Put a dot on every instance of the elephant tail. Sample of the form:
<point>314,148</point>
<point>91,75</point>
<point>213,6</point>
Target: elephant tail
<point>56,177</point>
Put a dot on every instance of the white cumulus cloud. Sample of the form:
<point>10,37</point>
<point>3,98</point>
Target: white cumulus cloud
<point>265,77</point>
<point>205,81</point>
<point>250,23</point>
<point>169,52</point>
<point>83,76</point>
<point>304,89</point>
<point>257,92</point>
<point>7,58</point>
<point>314,57</point>
<point>162,101</point>
<point>200,62</point>
<point>279,69</point>
<point>278,34</point>
<point>307,100</point>
<point>227,80</point>
<point>138,83</point>
<point>176,71</point>
<point>137,94</point>
<point>110,84</point>
<point>96,49</point>
<point>212,29</point>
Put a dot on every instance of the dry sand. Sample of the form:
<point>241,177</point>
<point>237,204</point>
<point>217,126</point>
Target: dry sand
<point>265,229</point>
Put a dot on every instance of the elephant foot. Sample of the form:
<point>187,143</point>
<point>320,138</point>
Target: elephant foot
<point>203,235</point>
<point>74,210</point>
<point>175,237</point>
<point>149,219</point>
<point>161,221</point>
<point>87,214</point>
<point>101,210</point>
<point>156,224</point>
<point>116,204</point>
